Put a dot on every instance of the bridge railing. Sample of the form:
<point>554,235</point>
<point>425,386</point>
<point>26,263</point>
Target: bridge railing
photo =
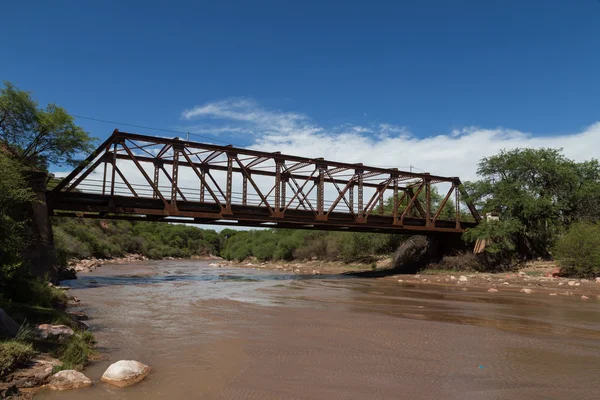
<point>165,178</point>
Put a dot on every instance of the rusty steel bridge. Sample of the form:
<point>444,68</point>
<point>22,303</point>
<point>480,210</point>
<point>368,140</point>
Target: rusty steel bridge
<point>138,177</point>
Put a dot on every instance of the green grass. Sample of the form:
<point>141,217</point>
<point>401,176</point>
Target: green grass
<point>76,352</point>
<point>534,273</point>
<point>434,271</point>
<point>14,353</point>
<point>33,314</point>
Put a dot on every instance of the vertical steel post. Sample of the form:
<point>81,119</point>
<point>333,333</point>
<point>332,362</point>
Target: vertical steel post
<point>361,211</point>
<point>104,178</point>
<point>277,185</point>
<point>283,190</point>
<point>174,178</point>
<point>320,191</point>
<point>457,193</point>
<point>244,190</point>
<point>114,170</point>
<point>202,173</point>
<point>427,202</point>
<point>351,195</point>
<point>395,201</point>
<point>229,180</point>
<point>156,178</point>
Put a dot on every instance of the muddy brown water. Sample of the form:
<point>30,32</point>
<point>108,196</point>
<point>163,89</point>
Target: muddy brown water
<point>218,333</point>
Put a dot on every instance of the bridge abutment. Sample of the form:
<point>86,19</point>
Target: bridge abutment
<point>41,254</point>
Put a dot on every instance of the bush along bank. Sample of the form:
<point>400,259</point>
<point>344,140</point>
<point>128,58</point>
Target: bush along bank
<point>40,337</point>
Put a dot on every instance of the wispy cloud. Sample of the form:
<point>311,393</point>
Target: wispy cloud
<point>249,115</point>
<point>455,153</point>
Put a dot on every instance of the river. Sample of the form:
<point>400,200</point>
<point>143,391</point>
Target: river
<point>232,333</point>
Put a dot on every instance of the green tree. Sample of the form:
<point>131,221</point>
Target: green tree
<point>14,194</point>
<point>538,193</point>
<point>39,137</point>
<point>14,228</point>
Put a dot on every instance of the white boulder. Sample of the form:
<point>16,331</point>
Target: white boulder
<point>125,373</point>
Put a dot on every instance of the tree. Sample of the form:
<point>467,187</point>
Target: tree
<point>14,232</point>
<point>39,137</point>
<point>538,194</point>
<point>14,193</point>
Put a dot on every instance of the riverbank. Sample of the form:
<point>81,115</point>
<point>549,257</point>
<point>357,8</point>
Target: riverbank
<point>534,277</point>
<point>38,341</point>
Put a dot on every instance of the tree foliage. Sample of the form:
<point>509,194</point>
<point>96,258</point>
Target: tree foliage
<point>109,239</point>
<point>538,193</point>
<point>39,137</point>
<point>281,244</point>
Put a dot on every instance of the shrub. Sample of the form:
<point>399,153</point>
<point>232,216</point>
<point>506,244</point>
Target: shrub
<point>20,286</point>
<point>14,353</point>
<point>578,250</point>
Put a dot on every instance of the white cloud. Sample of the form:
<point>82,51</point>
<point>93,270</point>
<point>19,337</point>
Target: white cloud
<point>455,153</point>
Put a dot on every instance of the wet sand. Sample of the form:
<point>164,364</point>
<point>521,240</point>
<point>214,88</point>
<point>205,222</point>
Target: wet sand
<point>231,333</point>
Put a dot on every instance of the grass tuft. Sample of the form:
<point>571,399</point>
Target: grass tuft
<point>14,353</point>
<point>75,353</point>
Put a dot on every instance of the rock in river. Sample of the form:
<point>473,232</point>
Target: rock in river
<point>527,291</point>
<point>69,379</point>
<point>78,315</point>
<point>58,332</point>
<point>34,374</point>
<point>125,373</point>
<point>492,290</point>
<point>462,278</point>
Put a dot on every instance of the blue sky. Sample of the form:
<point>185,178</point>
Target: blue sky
<point>276,75</point>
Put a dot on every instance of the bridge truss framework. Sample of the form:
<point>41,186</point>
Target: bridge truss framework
<point>139,177</point>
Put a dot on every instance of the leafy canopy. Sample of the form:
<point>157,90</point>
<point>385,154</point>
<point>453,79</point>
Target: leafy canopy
<point>538,193</point>
<point>38,137</point>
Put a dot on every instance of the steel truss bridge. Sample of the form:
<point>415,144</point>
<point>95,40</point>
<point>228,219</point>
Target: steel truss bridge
<point>137,177</point>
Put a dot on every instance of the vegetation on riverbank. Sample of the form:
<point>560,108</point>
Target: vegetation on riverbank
<point>85,238</point>
<point>290,245</point>
<point>47,305</point>
<point>32,138</point>
<point>547,203</point>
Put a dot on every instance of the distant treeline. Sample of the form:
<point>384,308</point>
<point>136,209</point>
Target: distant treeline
<point>85,238</point>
